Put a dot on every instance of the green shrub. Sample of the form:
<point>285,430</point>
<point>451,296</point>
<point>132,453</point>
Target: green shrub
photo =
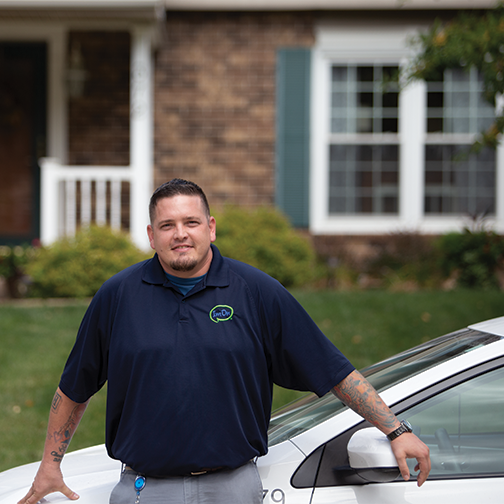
<point>264,238</point>
<point>474,256</point>
<point>405,257</point>
<point>77,267</point>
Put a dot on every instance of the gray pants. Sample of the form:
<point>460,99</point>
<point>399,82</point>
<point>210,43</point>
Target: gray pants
<point>237,486</point>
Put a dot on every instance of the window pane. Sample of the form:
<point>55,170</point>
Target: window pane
<point>364,179</point>
<point>365,74</point>
<point>364,99</point>
<point>455,104</point>
<point>457,182</point>
<point>464,426</point>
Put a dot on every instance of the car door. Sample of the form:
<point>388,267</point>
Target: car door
<point>462,422</point>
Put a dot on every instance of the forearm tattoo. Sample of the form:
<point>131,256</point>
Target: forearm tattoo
<point>56,402</point>
<point>63,436</point>
<point>359,395</point>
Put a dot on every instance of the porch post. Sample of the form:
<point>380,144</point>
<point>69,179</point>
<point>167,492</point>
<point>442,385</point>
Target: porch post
<point>141,133</point>
<point>50,211</point>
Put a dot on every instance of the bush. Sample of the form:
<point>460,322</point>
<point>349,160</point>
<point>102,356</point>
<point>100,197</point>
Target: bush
<point>474,256</point>
<point>77,267</point>
<point>406,258</point>
<point>264,238</point>
<point>13,261</point>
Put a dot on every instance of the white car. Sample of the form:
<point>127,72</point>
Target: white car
<point>450,389</point>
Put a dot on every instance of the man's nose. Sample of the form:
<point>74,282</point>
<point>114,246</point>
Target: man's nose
<point>180,231</point>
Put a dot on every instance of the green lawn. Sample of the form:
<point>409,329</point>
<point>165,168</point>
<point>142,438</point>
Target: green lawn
<point>367,326</point>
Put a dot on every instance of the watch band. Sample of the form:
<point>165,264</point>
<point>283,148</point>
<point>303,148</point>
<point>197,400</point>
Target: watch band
<point>404,427</point>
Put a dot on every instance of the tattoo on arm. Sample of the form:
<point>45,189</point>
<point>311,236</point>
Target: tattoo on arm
<point>64,435</point>
<point>358,394</point>
<point>56,402</point>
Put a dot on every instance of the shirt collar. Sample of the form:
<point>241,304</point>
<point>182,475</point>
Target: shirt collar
<point>217,276</point>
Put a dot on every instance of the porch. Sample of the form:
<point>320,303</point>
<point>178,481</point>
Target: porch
<point>86,166</point>
<point>118,196</point>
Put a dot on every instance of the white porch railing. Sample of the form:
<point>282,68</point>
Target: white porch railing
<point>76,196</point>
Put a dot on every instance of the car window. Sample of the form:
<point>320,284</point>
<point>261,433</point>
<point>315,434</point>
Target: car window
<point>464,426</point>
<point>461,419</point>
<point>310,411</point>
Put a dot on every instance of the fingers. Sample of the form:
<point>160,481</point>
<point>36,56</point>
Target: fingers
<point>409,446</point>
<point>69,493</point>
<point>424,467</point>
<point>32,497</point>
<point>404,469</point>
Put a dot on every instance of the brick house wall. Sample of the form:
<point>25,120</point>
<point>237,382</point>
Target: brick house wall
<point>215,100</point>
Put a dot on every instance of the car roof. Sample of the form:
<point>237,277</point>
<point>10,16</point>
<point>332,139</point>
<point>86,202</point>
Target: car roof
<point>492,326</point>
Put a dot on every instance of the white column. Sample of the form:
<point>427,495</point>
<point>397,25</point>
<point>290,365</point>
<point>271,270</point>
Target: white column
<point>499,189</point>
<point>49,208</point>
<point>141,133</point>
<point>57,128</point>
<point>319,134</point>
<point>412,122</point>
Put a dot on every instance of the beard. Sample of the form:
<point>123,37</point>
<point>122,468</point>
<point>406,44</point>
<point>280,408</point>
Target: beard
<point>184,264</point>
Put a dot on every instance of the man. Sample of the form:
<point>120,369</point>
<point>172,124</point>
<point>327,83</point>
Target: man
<point>190,344</point>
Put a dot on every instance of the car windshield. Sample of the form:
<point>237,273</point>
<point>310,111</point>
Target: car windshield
<point>305,413</point>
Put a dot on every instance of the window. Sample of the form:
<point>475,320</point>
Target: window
<point>387,159</point>
<point>456,180</point>
<point>464,426</point>
<point>364,174</point>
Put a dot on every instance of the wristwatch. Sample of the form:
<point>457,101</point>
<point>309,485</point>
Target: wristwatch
<point>404,427</point>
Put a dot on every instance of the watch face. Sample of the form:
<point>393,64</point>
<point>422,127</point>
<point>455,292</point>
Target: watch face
<point>408,425</point>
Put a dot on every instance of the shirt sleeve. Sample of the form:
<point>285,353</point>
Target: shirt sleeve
<point>301,356</point>
<point>85,371</point>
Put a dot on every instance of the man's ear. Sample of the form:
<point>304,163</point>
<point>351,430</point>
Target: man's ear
<point>213,229</point>
<point>150,234</point>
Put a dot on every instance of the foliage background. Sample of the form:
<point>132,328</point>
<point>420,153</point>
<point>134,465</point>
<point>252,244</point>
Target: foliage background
<point>265,239</point>
<point>77,267</point>
<point>471,39</point>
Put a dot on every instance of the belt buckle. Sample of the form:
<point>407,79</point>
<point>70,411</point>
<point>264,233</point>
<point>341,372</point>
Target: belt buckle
<point>198,473</point>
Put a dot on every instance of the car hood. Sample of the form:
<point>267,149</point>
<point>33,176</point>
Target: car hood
<point>89,472</point>
<point>92,474</point>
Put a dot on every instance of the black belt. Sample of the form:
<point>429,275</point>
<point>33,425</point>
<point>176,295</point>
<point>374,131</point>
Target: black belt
<point>201,472</point>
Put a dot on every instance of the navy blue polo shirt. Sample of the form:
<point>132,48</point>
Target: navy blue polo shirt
<point>190,376</point>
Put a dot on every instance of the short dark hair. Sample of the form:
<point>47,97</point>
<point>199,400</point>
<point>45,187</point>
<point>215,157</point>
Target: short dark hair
<point>175,187</point>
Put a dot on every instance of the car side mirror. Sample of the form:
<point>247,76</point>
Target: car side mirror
<point>371,457</point>
<point>368,459</point>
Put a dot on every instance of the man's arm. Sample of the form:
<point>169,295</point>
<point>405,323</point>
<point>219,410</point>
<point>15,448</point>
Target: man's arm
<point>64,418</point>
<point>358,394</point>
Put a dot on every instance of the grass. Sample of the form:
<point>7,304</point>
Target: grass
<point>367,326</point>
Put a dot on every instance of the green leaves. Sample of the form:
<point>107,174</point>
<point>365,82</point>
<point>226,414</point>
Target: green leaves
<point>469,40</point>
<point>77,267</point>
<point>264,238</point>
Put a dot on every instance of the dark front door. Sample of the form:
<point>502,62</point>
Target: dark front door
<point>22,139</point>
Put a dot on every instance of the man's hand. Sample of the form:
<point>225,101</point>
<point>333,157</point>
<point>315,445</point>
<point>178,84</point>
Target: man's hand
<point>47,480</point>
<point>64,418</point>
<point>407,445</point>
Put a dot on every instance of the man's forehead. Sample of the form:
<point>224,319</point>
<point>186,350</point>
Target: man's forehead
<point>179,205</point>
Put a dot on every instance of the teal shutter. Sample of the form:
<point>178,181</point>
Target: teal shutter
<point>293,134</point>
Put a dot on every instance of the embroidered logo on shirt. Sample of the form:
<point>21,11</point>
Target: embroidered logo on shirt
<point>221,313</point>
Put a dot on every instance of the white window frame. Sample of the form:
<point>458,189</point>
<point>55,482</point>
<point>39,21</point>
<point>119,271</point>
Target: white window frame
<point>365,43</point>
